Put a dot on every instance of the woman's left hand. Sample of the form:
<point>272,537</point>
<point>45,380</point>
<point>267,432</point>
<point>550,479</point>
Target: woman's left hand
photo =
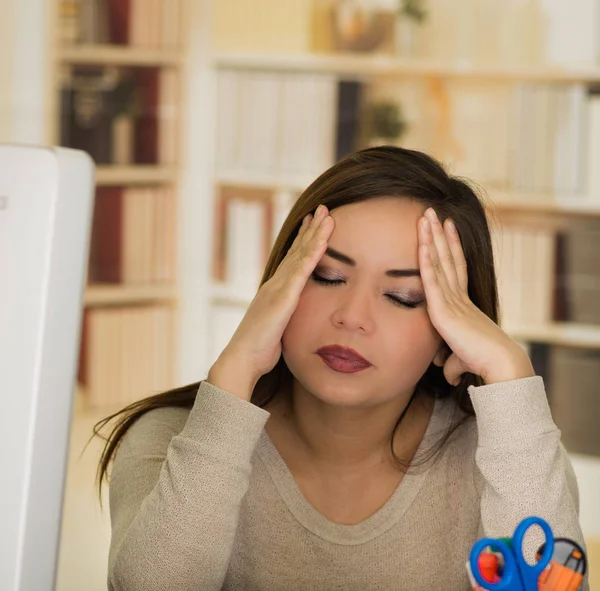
<point>478,344</point>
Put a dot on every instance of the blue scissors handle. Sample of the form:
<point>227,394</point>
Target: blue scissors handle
<point>510,577</point>
<point>517,574</point>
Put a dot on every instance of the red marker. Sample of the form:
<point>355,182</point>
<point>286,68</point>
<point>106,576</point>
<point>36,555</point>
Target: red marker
<point>489,564</point>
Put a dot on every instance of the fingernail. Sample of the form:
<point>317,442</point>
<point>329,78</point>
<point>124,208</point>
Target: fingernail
<point>451,225</point>
<point>319,210</point>
<point>430,213</point>
<point>426,225</point>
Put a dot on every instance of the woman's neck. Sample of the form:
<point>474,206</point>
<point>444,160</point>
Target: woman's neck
<point>341,438</point>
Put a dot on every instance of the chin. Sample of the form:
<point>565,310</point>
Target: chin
<point>343,396</point>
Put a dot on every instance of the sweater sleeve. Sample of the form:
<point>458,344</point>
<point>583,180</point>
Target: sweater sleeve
<point>522,468</point>
<point>176,488</point>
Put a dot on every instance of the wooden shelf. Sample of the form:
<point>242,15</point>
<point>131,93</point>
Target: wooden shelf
<point>353,65</point>
<point>111,295</point>
<point>262,180</point>
<point>573,206</point>
<point>559,333</point>
<point>117,55</point>
<point>134,175</point>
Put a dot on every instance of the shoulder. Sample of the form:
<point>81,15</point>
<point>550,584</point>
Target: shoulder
<point>152,432</point>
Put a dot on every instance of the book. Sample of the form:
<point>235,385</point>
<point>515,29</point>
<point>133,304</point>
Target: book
<point>106,244</point>
<point>349,108</point>
<point>245,230</point>
<point>571,33</point>
<point>581,278</point>
<point>168,101</point>
<point>309,103</point>
<point>592,162</point>
<point>94,22</point>
<point>126,354</point>
<point>242,236</point>
<point>119,14</point>
<point>228,120</point>
<point>259,105</point>
<point>146,124</point>
<point>573,385</point>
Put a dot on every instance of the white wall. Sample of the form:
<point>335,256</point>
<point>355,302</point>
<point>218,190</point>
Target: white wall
<point>196,202</point>
<point>25,70</point>
<point>587,470</point>
<point>6,69</point>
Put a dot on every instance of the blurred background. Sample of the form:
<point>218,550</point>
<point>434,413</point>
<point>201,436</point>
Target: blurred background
<point>208,119</point>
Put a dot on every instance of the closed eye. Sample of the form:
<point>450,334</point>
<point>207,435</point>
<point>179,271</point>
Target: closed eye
<point>392,298</point>
<point>324,280</point>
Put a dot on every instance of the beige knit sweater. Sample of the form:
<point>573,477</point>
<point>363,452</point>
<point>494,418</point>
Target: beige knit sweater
<point>201,500</point>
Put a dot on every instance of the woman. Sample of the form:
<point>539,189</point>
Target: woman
<point>368,420</point>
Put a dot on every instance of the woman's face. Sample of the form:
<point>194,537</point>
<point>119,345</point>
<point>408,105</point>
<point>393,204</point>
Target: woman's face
<point>352,300</point>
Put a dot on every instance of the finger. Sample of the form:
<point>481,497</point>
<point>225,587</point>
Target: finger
<point>301,231</point>
<point>306,230</point>
<point>458,254</point>
<point>432,274</point>
<point>302,260</point>
<point>429,277</point>
<point>321,213</point>
<point>453,370</point>
<point>443,252</point>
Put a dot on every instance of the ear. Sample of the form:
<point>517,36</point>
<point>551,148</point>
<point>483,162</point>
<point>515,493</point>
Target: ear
<point>442,355</point>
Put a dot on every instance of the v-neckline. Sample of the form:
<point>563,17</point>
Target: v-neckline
<point>382,520</point>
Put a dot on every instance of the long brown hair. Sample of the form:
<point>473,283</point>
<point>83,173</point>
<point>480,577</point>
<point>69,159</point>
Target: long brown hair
<point>384,171</point>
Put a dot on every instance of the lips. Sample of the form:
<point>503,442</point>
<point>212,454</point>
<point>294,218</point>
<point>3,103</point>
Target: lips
<point>343,353</point>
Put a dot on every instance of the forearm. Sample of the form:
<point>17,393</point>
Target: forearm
<point>181,534</point>
<point>522,467</point>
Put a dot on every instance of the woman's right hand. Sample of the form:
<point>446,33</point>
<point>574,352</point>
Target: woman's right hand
<point>255,347</point>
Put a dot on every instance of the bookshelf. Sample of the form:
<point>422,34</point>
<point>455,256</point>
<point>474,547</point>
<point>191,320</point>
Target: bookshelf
<point>118,95</point>
<point>135,175</point>
<point>380,65</point>
<point>100,296</point>
<point>120,56</point>
<point>528,142</point>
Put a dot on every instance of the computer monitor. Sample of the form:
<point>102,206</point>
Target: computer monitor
<point>46,205</point>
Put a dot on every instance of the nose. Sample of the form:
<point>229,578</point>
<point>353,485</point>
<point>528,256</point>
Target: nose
<point>354,311</point>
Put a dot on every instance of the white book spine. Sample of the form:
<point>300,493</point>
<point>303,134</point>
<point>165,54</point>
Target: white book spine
<point>294,125</point>
<point>541,155</point>
<point>525,133</point>
<point>572,31</point>
<point>325,112</point>
<point>519,277</point>
<point>245,235</point>
<point>593,149</point>
<point>259,105</point>
<point>569,140</point>
<point>228,119</point>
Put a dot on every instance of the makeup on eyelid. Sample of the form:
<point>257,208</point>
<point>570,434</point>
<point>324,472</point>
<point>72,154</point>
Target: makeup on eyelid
<point>410,297</point>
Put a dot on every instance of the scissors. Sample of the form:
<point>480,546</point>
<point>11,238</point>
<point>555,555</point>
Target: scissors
<point>517,573</point>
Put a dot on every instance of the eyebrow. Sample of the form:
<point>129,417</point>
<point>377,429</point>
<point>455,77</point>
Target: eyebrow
<point>342,258</point>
